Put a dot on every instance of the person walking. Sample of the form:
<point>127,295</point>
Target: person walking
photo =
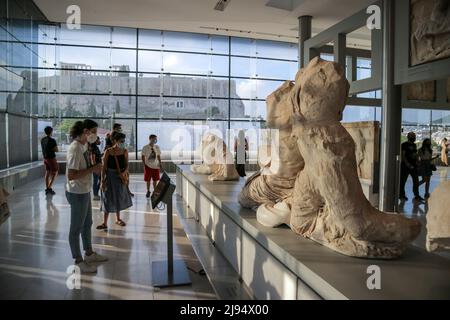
<point>444,157</point>
<point>408,167</point>
<point>79,171</point>
<point>96,155</point>
<point>151,158</point>
<point>240,153</point>
<point>426,167</point>
<point>115,177</point>
<point>49,149</point>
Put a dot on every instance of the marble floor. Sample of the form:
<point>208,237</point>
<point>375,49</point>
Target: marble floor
<point>34,250</point>
<point>419,210</point>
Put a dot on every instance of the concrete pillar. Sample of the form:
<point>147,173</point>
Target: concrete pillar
<point>304,33</point>
<point>391,116</point>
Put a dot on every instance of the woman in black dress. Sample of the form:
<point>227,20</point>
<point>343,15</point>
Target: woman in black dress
<point>115,194</point>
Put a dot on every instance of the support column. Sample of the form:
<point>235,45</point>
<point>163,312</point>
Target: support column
<point>340,44</point>
<point>391,115</point>
<point>304,33</point>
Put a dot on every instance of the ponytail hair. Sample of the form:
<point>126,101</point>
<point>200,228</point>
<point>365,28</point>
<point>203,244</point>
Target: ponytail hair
<point>77,129</point>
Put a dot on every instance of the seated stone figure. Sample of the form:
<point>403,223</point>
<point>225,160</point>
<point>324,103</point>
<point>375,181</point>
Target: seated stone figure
<point>438,218</point>
<point>327,203</point>
<point>275,180</point>
<point>216,160</point>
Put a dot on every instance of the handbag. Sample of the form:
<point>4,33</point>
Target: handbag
<point>123,175</point>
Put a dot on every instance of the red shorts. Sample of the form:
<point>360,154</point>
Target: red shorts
<point>51,165</point>
<point>151,174</point>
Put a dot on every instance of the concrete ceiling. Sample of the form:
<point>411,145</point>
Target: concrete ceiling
<point>263,19</point>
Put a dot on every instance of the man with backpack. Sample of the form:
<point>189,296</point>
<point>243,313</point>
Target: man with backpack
<point>151,158</point>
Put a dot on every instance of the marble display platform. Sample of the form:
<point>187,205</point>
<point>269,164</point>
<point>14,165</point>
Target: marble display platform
<point>275,263</point>
<point>18,176</point>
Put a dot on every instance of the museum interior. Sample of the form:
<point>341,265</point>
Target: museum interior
<point>246,150</point>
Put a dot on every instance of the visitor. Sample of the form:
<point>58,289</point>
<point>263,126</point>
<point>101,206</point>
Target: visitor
<point>240,153</point>
<point>151,158</point>
<point>49,149</point>
<point>115,178</point>
<point>408,167</point>
<point>96,155</point>
<point>117,127</point>
<point>444,150</point>
<point>78,193</point>
<point>426,167</point>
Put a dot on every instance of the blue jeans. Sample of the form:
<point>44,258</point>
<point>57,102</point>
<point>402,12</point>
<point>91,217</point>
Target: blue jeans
<point>96,185</point>
<point>80,222</point>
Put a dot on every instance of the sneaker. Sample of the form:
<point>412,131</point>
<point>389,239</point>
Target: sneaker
<point>96,198</point>
<point>95,257</point>
<point>404,198</point>
<point>427,195</point>
<point>47,191</point>
<point>51,191</point>
<point>147,195</point>
<point>419,198</point>
<point>86,267</point>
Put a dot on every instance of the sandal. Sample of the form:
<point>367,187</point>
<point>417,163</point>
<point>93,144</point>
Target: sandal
<point>121,223</point>
<point>102,227</point>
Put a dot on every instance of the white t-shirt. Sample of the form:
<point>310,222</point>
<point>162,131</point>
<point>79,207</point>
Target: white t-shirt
<point>151,156</point>
<point>78,159</point>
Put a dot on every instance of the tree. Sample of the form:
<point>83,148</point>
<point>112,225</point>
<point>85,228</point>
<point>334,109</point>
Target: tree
<point>132,140</point>
<point>70,110</point>
<point>92,111</point>
<point>103,110</point>
<point>52,115</point>
<point>117,107</point>
<point>64,127</point>
<point>45,109</point>
<point>214,111</point>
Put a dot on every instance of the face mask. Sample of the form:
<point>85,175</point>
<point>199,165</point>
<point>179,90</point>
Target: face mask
<point>92,138</point>
<point>121,145</point>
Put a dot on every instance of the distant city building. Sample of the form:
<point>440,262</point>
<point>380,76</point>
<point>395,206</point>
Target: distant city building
<point>184,96</point>
<point>79,69</point>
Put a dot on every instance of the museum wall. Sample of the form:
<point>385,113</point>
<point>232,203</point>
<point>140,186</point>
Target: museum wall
<point>18,56</point>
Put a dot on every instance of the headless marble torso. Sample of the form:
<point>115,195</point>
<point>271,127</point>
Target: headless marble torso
<point>279,168</point>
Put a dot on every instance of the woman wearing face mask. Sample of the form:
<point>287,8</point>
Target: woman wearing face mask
<point>78,193</point>
<point>114,185</point>
<point>426,167</point>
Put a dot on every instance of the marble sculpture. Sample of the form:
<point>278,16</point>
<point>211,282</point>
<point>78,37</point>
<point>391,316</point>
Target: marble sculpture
<point>276,178</point>
<point>438,218</point>
<point>326,203</point>
<point>430,29</point>
<point>217,160</point>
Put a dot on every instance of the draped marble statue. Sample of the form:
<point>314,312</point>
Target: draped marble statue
<point>216,159</point>
<point>276,178</point>
<point>438,218</point>
<point>327,203</point>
